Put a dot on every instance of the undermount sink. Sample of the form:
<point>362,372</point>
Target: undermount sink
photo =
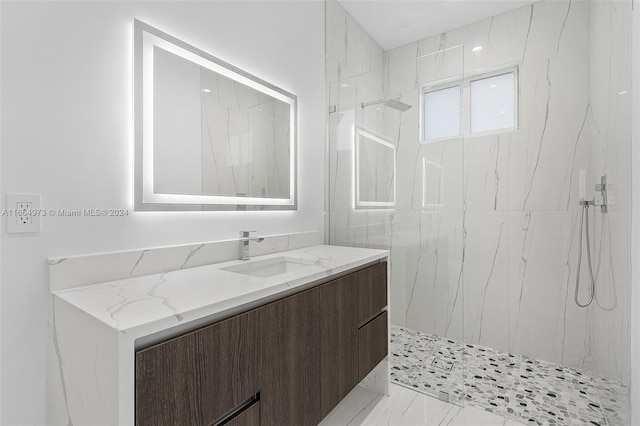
<point>269,267</point>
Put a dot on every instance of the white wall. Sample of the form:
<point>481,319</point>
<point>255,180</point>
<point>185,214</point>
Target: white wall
<point>66,134</point>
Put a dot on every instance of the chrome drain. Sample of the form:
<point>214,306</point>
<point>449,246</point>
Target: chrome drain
<point>442,364</point>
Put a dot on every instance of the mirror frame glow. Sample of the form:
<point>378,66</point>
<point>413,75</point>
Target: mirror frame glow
<point>360,204</point>
<point>145,38</point>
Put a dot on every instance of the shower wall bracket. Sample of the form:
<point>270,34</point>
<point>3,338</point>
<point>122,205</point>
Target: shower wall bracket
<point>602,187</point>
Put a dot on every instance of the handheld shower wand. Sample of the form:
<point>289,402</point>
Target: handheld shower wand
<point>602,187</point>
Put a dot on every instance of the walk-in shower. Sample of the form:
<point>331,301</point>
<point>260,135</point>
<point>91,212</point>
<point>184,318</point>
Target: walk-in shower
<point>489,255</point>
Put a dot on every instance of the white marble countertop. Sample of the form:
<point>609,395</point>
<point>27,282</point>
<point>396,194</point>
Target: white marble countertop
<point>145,304</point>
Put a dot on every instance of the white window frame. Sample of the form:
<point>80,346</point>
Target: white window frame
<point>441,85</point>
<point>465,102</point>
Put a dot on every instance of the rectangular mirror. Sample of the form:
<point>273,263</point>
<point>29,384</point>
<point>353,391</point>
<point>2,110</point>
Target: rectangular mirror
<point>208,136</point>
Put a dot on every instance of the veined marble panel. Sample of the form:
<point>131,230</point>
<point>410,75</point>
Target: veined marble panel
<point>350,50</point>
<point>610,80</point>
<point>502,210</point>
<point>486,169</point>
<point>67,272</point>
<point>548,149</point>
<point>434,279</point>
<point>544,321</point>
<point>486,279</point>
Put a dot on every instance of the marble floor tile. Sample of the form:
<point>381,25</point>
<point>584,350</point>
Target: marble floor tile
<point>406,407</point>
<point>522,389</point>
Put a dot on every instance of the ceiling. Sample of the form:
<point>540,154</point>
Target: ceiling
<point>394,23</point>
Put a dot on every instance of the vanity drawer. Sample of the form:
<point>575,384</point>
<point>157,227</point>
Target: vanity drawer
<point>248,417</point>
<point>199,377</point>
<point>373,291</point>
<point>373,344</point>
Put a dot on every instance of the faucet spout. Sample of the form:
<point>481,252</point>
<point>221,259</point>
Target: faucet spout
<point>244,244</point>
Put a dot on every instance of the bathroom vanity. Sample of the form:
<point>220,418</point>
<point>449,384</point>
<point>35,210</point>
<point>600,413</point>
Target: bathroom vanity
<point>280,339</point>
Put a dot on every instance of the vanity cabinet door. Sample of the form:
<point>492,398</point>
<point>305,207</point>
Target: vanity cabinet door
<point>338,340</point>
<point>290,336</point>
<point>197,378</point>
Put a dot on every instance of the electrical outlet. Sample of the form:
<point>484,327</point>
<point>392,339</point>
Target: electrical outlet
<point>22,217</point>
<point>23,213</point>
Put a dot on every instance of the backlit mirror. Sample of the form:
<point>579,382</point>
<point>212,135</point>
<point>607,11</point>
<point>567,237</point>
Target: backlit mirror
<point>208,135</point>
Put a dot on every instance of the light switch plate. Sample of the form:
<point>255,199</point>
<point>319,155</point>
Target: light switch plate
<point>22,212</point>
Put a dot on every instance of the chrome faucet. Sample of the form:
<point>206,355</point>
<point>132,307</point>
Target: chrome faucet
<point>244,244</point>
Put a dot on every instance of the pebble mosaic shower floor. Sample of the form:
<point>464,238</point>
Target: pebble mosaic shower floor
<point>527,390</point>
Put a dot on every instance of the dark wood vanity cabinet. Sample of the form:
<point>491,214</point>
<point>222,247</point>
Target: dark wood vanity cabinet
<point>289,362</point>
<point>352,324</point>
<point>199,377</point>
<point>290,378</point>
<point>338,340</point>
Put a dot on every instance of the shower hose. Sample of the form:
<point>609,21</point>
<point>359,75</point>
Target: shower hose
<point>593,288</point>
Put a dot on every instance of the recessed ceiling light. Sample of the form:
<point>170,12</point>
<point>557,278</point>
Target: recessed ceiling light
<point>344,85</point>
<point>477,49</point>
<point>493,85</point>
<point>206,90</point>
<point>623,92</point>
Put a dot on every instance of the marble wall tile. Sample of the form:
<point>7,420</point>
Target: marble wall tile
<point>485,232</point>
<point>609,328</point>
<point>350,50</point>
<point>486,170</point>
<point>433,267</point>
<point>486,278</point>
<point>609,82</point>
<point>549,148</point>
<point>544,321</point>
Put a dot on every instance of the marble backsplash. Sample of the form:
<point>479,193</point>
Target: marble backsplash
<point>68,272</point>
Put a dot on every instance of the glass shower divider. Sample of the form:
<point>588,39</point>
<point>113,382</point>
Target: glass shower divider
<point>396,182</point>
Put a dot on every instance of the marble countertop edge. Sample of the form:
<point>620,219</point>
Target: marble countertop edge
<point>146,304</point>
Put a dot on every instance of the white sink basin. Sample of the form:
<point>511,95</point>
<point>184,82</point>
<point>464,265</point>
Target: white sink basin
<point>269,267</point>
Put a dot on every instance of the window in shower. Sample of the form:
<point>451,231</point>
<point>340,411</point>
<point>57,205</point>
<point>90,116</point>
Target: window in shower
<point>480,104</point>
<point>493,103</point>
<point>442,113</point>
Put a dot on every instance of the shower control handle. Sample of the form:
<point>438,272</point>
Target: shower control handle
<point>602,188</point>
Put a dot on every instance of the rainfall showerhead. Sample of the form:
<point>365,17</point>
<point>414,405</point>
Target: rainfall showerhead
<point>396,104</point>
<point>390,102</point>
